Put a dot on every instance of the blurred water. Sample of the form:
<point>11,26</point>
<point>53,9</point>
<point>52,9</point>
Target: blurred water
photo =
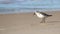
<point>19,6</point>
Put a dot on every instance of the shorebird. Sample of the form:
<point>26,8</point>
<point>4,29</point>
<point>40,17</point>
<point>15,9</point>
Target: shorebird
<point>41,15</point>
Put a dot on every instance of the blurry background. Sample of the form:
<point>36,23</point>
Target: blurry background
<point>18,6</point>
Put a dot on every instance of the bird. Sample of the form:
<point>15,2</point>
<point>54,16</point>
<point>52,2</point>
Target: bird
<point>41,15</point>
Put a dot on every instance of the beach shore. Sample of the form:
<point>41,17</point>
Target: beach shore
<point>26,23</point>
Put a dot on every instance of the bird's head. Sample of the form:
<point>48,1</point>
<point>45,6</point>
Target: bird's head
<point>34,14</point>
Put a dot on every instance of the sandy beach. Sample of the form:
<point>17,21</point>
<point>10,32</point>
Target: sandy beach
<point>26,23</point>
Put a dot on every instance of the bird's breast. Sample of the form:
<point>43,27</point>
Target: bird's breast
<point>40,15</point>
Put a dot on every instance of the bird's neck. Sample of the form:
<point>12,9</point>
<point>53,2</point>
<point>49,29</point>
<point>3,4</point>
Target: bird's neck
<point>36,13</point>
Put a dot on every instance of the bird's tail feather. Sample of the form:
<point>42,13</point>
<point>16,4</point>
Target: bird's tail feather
<point>49,15</point>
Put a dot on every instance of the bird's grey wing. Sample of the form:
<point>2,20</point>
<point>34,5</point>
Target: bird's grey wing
<point>44,14</point>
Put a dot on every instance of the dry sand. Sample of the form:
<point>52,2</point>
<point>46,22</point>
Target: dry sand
<point>26,23</point>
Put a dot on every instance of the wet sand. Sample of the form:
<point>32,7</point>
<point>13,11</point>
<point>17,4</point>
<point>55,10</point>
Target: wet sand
<point>26,23</point>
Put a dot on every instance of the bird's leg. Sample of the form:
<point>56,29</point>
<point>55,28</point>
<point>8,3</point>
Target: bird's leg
<point>43,20</point>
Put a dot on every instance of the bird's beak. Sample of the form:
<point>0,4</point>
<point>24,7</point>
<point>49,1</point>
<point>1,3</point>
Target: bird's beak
<point>33,14</point>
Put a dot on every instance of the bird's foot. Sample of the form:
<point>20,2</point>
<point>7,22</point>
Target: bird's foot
<point>42,22</point>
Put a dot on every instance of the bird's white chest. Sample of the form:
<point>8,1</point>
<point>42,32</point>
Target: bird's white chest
<point>39,15</point>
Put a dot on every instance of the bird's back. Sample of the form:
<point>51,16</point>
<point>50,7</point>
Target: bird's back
<point>45,14</point>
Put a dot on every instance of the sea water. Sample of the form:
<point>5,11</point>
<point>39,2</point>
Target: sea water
<point>29,6</point>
